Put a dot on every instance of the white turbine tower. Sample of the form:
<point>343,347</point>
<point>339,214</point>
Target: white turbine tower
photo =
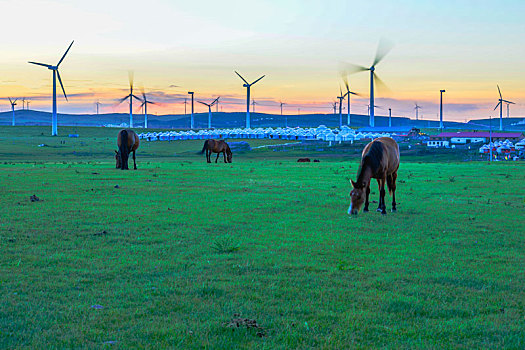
<point>382,50</point>
<point>347,94</point>
<point>131,97</point>
<point>145,106</point>
<point>13,104</point>
<point>417,108</point>
<point>500,104</point>
<point>209,105</point>
<point>248,86</point>
<point>341,98</point>
<point>55,74</point>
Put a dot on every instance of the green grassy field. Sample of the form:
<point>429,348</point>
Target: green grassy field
<point>181,247</point>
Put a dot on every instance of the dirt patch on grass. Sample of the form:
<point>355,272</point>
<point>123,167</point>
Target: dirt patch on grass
<point>239,322</point>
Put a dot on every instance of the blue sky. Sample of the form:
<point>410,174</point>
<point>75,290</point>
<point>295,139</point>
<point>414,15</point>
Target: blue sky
<point>465,47</point>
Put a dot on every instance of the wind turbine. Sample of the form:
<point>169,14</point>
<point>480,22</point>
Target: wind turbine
<point>348,93</point>
<point>209,105</point>
<point>417,108</point>
<point>500,104</point>
<point>131,97</point>
<point>145,106</point>
<point>97,104</point>
<point>13,104</point>
<point>382,50</point>
<point>253,105</point>
<point>23,102</point>
<point>281,103</point>
<point>371,109</point>
<point>248,86</point>
<point>27,104</point>
<point>341,97</point>
<point>55,74</point>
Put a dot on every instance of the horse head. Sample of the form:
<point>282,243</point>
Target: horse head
<point>357,197</point>
<point>229,155</point>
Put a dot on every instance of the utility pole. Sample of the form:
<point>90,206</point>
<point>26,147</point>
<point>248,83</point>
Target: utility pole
<point>390,117</point>
<point>441,109</point>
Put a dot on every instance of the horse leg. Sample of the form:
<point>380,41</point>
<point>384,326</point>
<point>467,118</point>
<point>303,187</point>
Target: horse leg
<point>365,209</point>
<point>380,205</point>
<point>393,187</point>
<point>216,159</point>
<point>208,156</point>
<point>134,162</point>
<point>224,155</point>
<point>382,197</point>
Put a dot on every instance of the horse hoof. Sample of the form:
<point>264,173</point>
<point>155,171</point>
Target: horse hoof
<point>365,210</point>
<point>379,209</point>
<point>394,210</point>
<point>383,212</point>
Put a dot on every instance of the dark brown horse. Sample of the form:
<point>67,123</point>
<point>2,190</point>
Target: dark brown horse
<point>218,147</point>
<point>127,142</point>
<point>380,160</point>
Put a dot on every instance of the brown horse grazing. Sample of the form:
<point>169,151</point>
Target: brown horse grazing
<point>127,142</point>
<point>380,160</point>
<point>218,147</point>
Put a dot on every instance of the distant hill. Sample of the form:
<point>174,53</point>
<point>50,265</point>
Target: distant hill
<point>238,119</point>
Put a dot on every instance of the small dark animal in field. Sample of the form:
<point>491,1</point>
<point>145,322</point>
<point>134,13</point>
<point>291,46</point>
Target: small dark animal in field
<point>127,142</point>
<point>380,160</point>
<point>217,146</point>
<point>303,160</point>
<point>316,160</point>
<point>34,198</point>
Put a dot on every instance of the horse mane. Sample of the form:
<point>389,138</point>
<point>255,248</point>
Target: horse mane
<point>204,147</point>
<point>372,159</point>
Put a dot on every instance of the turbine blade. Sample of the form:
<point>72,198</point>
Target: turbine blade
<point>130,78</point>
<point>354,93</point>
<point>345,80</point>
<point>10,101</point>
<point>123,99</point>
<point>350,68</point>
<point>58,64</point>
<point>383,49</point>
<point>499,92</point>
<point>497,105</point>
<point>60,81</point>
<point>204,103</point>
<point>41,64</point>
<point>257,80</point>
<point>214,101</point>
<point>240,76</point>
<point>509,102</point>
<point>380,84</point>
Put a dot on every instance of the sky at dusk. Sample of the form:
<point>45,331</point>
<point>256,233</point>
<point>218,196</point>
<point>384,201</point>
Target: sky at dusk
<point>465,47</point>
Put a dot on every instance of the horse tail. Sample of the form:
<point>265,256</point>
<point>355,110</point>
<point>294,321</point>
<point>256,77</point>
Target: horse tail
<point>204,147</point>
<point>124,142</point>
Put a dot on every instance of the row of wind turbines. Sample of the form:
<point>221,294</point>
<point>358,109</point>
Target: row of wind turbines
<point>348,68</point>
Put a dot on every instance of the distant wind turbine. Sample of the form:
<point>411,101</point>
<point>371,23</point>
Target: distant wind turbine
<point>27,104</point>
<point>417,108</point>
<point>248,86</point>
<point>131,97</point>
<point>55,74</point>
<point>13,104</point>
<point>217,105</point>
<point>145,106</point>
<point>348,93</point>
<point>341,97</point>
<point>23,102</point>
<point>253,105</point>
<point>97,104</point>
<point>382,50</point>
<point>209,105</point>
<point>500,104</point>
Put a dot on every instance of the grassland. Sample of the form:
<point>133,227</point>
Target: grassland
<point>181,247</point>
